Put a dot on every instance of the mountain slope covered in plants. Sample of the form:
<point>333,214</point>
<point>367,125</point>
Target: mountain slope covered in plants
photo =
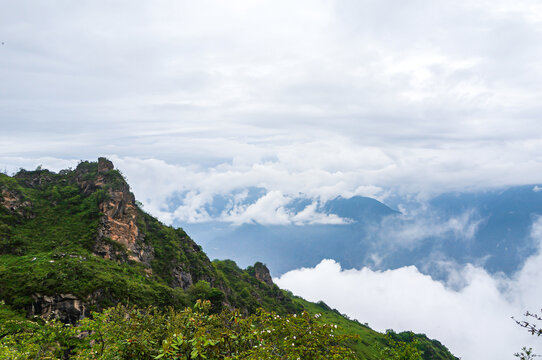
<point>77,241</point>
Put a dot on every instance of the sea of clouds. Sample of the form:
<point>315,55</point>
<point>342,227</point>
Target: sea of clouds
<point>470,312</point>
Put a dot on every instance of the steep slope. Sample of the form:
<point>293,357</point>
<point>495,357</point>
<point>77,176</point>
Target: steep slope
<point>369,342</point>
<point>77,241</point>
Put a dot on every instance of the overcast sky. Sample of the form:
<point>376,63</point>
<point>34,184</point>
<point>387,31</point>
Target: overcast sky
<point>356,95</point>
<point>322,98</point>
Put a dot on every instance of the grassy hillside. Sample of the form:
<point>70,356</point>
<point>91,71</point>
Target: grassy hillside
<point>369,343</point>
<point>76,241</point>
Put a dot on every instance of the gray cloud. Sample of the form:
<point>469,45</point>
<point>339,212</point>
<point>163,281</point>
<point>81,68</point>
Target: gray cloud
<point>423,75</point>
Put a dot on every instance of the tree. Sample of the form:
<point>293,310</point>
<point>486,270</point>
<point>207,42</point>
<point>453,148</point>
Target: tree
<point>530,325</point>
<point>398,350</point>
<point>526,354</point>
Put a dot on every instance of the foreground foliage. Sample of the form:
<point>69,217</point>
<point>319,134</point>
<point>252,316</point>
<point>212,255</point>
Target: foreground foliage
<point>398,350</point>
<point>126,332</point>
<point>529,323</point>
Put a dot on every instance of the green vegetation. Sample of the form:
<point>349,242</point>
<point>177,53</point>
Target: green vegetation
<point>430,349</point>
<point>249,293</point>
<point>370,344</point>
<point>85,276</point>
<point>173,246</point>
<point>56,256</point>
<point>150,333</point>
<point>399,350</point>
<point>52,216</point>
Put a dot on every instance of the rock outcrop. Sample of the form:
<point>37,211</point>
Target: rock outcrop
<point>67,308</point>
<point>64,307</point>
<point>261,272</point>
<point>118,236</point>
<point>181,277</point>
<point>15,203</point>
<point>35,179</point>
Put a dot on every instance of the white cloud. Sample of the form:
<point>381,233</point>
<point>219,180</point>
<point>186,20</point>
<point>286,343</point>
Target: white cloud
<point>413,226</point>
<point>282,182</point>
<point>269,209</point>
<point>473,321</point>
<point>192,210</point>
<point>311,215</point>
<point>308,169</point>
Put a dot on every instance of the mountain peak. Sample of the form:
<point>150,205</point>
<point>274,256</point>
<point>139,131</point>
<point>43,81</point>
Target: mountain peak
<point>105,165</point>
<point>261,272</point>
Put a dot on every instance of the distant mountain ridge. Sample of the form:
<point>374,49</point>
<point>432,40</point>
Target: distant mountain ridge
<point>489,228</point>
<point>286,247</point>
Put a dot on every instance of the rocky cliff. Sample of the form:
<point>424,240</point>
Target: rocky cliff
<point>261,272</point>
<point>118,236</point>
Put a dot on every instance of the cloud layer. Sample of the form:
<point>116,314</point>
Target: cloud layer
<point>472,320</point>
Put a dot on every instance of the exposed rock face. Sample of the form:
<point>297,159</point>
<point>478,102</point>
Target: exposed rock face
<point>64,307</point>
<point>181,278</point>
<point>34,179</point>
<point>15,203</point>
<point>262,273</point>
<point>119,221</point>
<point>119,225</point>
<point>104,165</point>
<point>118,236</point>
